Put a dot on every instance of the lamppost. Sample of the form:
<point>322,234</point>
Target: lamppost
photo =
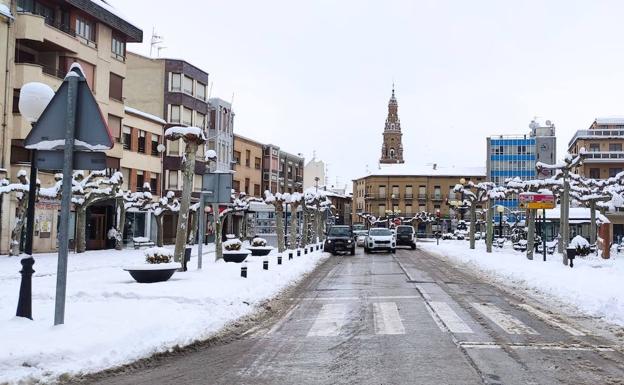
<point>437,235</point>
<point>500,209</point>
<point>461,209</point>
<point>34,97</point>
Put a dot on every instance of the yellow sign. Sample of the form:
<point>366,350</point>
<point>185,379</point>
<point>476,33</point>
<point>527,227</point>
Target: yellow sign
<point>540,205</point>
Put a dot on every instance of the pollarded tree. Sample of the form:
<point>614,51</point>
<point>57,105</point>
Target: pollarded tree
<point>277,201</point>
<point>21,195</point>
<point>295,200</point>
<point>166,204</point>
<point>127,200</point>
<point>474,194</point>
<point>87,190</point>
<point>193,137</point>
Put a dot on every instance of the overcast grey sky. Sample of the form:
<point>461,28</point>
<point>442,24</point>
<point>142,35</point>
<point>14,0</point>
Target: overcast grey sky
<point>317,75</point>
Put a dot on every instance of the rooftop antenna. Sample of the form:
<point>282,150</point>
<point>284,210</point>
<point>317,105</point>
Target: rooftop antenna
<point>232,101</point>
<point>313,154</point>
<point>210,90</point>
<point>155,41</point>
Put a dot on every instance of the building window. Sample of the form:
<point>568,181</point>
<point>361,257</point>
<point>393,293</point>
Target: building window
<point>422,192</point>
<point>382,210</point>
<point>395,192</point>
<point>172,178</point>
<point>614,171</point>
<point>174,114</point>
<point>248,158</point>
<point>422,208</point>
<point>236,185</point>
<point>173,147</point>
<point>141,141</point>
<point>408,192</point>
<point>127,137</point>
<point>258,162</point>
<point>437,192</point>
<point>125,172</point>
<point>615,146</point>
<point>115,87</point>
<point>382,191</point>
<point>247,182</point>
<point>257,192</point>
<point>408,209</point>
<point>155,143</point>
<point>594,173</point>
<point>594,147</point>
<point>188,85</point>
<point>176,82</point>
<point>237,157</point>
<point>154,183</point>
<point>85,29</point>
<point>118,48</point>
<point>201,91</point>
<point>187,118</point>
<point>200,120</point>
<point>139,180</point>
<point>114,125</point>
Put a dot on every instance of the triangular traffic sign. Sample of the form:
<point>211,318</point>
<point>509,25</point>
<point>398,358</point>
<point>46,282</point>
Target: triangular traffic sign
<point>92,132</point>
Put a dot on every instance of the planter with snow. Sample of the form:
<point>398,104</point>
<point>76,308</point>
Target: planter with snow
<point>259,247</point>
<point>233,251</point>
<point>581,245</point>
<point>158,268</point>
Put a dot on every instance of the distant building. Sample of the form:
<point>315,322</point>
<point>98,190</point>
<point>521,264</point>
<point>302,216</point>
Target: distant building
<point>604,142</point>
<point>247,166</point>
<point>314,173</point>
<point>221,132</point>
<point>281,171</point>
<point>515,156</point>
<point>392,146</point>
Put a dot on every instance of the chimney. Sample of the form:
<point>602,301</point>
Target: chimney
<point>435,166</point>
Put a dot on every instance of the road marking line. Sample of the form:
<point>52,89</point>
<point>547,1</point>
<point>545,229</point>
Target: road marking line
<point>387,319</point>
<point>330,320</point>
<point>505,321</point>
<point>281,322</point>
<point>452,321</point>
<point>355,298</point>
<point>536,346</point>
<point>551,320</point>
<point>435,318</point>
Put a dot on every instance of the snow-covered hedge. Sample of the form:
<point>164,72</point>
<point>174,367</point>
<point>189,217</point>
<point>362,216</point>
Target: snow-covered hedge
<point>259,242</point>
<point>232,245</point>
<point>158,255</point>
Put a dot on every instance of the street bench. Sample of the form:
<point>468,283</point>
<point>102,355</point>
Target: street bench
<point>142,242</point>
<point>520,245</point>
<point>500,242</point>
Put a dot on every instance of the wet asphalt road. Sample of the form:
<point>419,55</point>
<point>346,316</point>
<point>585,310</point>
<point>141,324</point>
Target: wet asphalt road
<point>408,318</point>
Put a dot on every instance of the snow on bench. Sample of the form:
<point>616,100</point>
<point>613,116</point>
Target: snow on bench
<point>142,242</point>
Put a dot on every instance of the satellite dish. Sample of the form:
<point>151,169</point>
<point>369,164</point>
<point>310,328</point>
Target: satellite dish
<point>548,123</point>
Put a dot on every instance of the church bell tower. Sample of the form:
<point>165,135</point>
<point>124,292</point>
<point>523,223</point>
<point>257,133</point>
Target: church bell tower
<point>392,147</point>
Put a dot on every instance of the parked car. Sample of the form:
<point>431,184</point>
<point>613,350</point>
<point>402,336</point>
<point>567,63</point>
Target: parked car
<point>339,240</point>
<point>360,240</point>
<point>405,236</point>
<point>379,238</point>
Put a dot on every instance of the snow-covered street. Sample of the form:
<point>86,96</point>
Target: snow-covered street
<point>594,285</point>
<point>111,320</point>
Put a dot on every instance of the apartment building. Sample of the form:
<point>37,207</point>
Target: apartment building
<point>45,38</point>
<point>221,133</point>
<point>603,141</point>
<point>401,190</point>
<point>247,166</point>
<point>281,171</point>
<point>314,173</point>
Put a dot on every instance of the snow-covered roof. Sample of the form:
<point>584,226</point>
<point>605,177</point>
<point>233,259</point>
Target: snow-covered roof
<point>576,214</point>
<point>426,170</point>
<point>610,120</point>
<point>5,11</point>
<point>146,115</point>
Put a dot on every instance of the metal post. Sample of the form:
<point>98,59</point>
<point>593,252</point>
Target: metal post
<point>285,221</point>
<point>24,303</point>
<point>68,161</point>
<point>202,229</point>
<point>500,225</point>
<point>544,233</point>
<point>531,234</point>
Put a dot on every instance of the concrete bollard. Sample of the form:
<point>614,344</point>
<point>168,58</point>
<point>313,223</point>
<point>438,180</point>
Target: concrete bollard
<point>265,264</point>
<point>298,252</point>
<point>244,271</point>
<point>290,255</point>
<point>279,259</point>
<point>305,250</point>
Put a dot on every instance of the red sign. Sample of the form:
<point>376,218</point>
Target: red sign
<point>545,198</point>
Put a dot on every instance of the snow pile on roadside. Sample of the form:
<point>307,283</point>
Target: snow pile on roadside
<point>594,285</point>
<point>111,320</point>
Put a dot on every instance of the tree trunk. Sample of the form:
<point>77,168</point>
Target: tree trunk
<point>81,229</point>
<point>279,226</point>
<point>565,210</point>
<point>592,227</point>
<point>187,188</point>
<point>531,234</point>
<point>488,228</point>
<point>159,230</point>
<point>121,224</point>
<point>473,224</point>
<point>16,233</point>
<point>191,232</point>
<point>293,227</point>
<point>305,231</point>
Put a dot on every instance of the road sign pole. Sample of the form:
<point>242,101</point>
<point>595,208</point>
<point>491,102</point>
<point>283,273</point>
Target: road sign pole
<point>61,274</point>
<point>202,228</point>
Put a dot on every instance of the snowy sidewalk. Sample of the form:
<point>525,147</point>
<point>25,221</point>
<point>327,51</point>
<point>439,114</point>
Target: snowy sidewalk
<point>111,320</point>
<point>594,285</point>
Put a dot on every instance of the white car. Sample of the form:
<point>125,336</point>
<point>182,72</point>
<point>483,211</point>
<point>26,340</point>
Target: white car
<point>360,240</point>
<point>380,238</point>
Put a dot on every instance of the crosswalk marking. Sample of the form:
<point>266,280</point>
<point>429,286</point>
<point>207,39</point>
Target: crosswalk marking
<point>330,320</point>
<point>450,319</point>
<point>387,318</point>
<point>551,320</point>
<point>505,321</point>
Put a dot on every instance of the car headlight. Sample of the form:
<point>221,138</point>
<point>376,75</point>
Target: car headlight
<point>329,241</point>
<point>349,241</point>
